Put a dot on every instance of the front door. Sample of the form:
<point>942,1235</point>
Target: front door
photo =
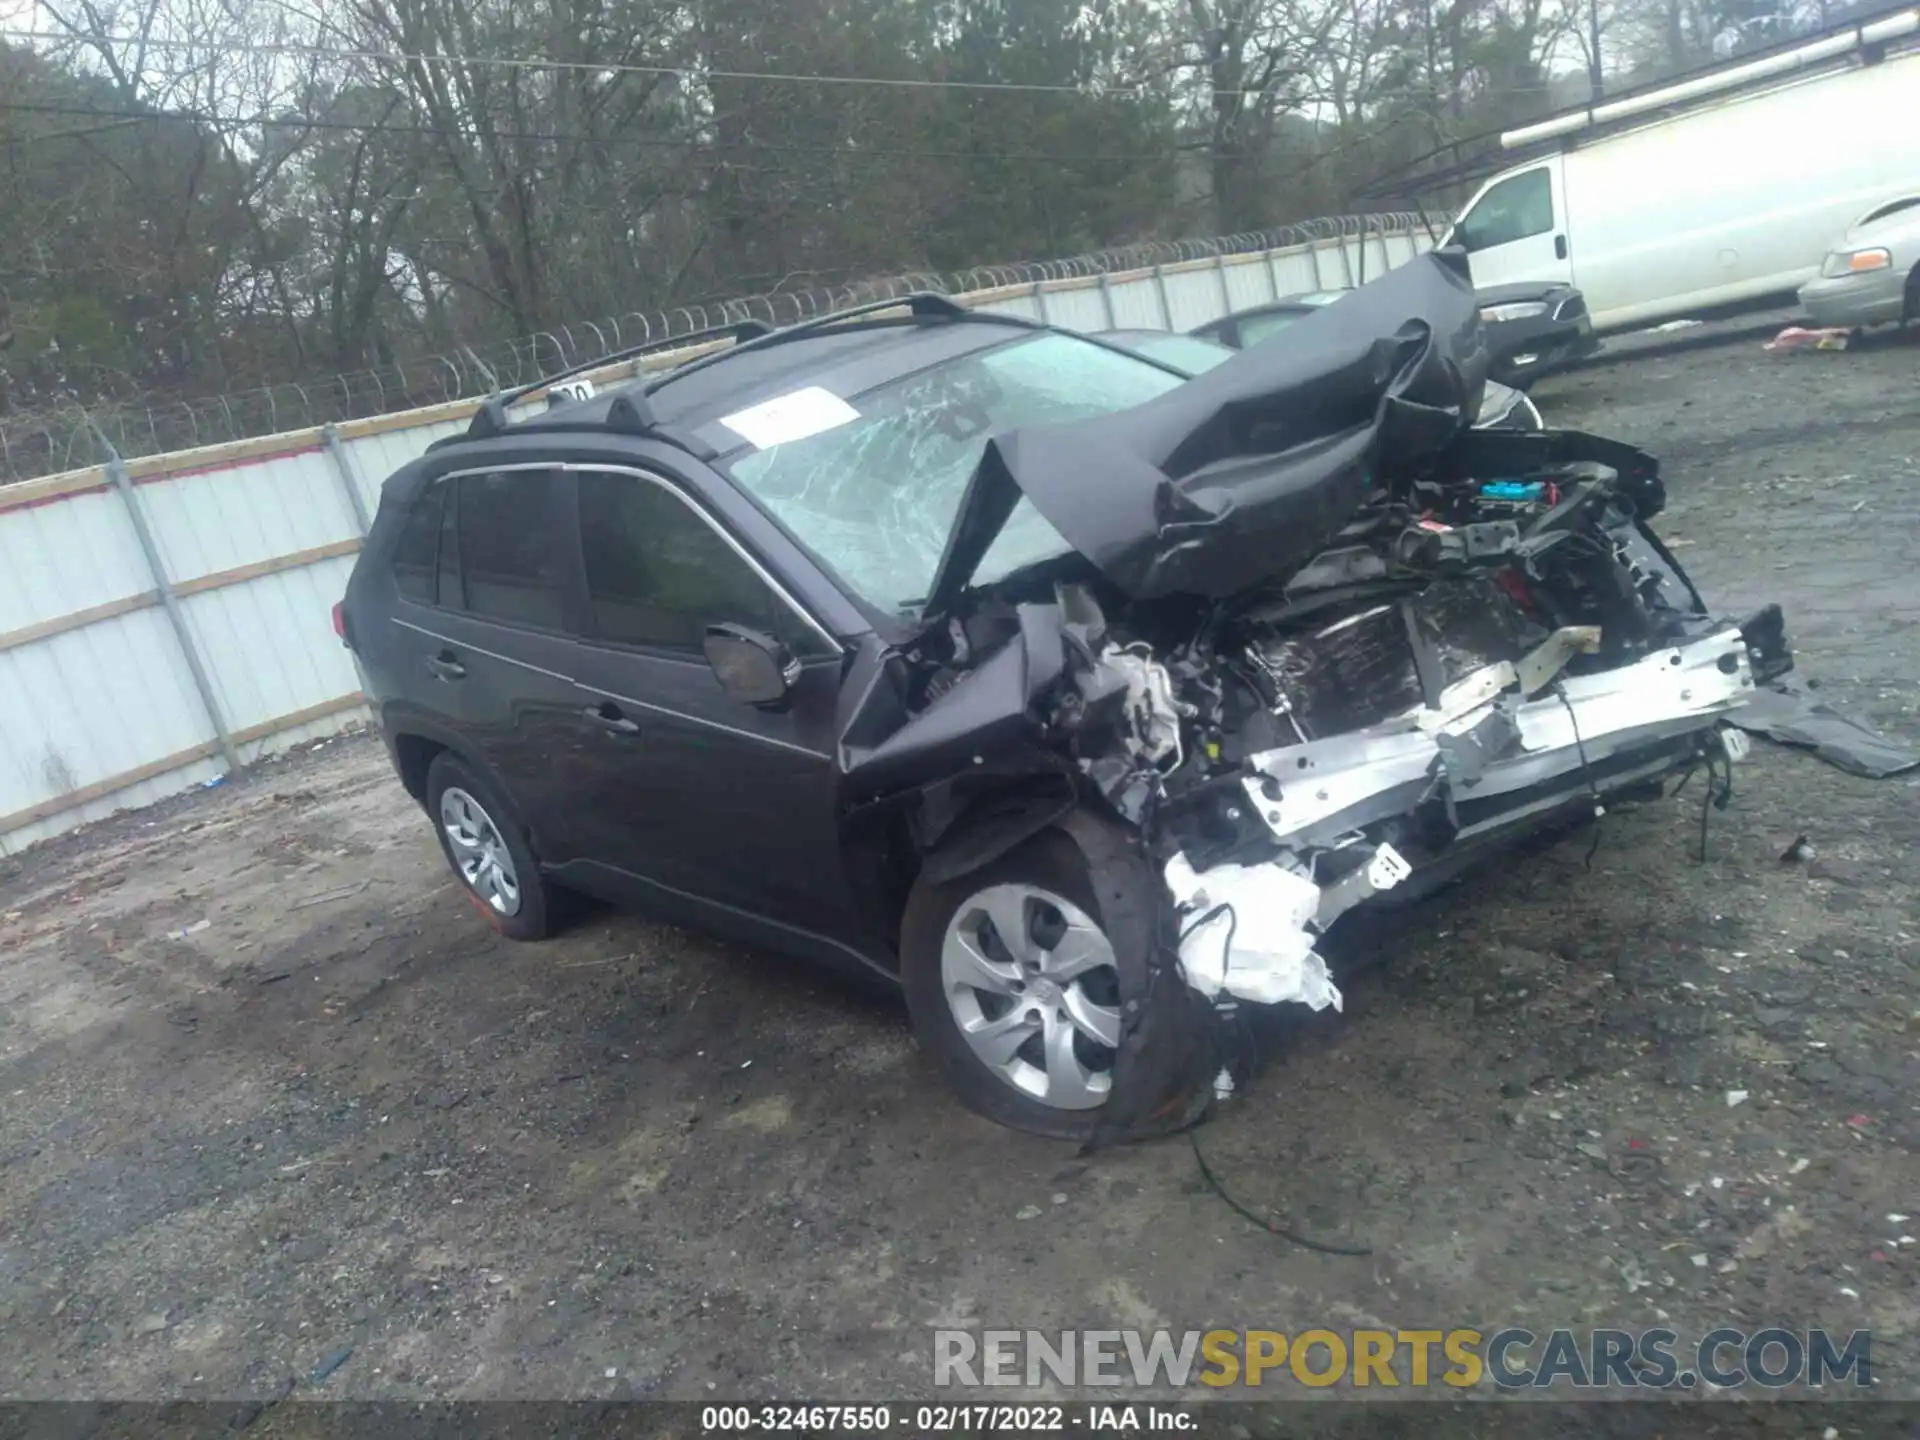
<point>1516,228</point>
<point>698,793</point>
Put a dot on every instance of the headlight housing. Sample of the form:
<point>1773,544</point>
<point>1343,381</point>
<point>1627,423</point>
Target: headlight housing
<point>1516,310</point>
<point>1855,262</point>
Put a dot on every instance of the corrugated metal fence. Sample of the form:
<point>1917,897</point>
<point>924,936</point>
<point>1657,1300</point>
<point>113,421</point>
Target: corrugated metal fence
<point>165,620</point>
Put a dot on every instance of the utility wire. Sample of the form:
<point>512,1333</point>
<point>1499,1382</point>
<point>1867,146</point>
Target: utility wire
<point>592,67</point>
<point>1335,152</point>
<point>618,67</point>
<point>78,133</point>
<point>307,122</point>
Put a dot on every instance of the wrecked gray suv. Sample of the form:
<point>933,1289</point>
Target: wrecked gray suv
<point>1075,696</point>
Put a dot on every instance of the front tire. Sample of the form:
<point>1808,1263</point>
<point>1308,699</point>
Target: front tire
<point>1015,989</point>
<point>486,846</point>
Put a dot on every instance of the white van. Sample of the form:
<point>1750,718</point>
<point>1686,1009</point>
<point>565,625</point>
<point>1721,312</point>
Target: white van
<point>1732,199</point>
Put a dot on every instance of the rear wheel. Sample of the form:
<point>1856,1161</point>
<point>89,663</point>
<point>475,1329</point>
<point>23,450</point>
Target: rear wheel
<point>1015,990</point>
<point>487,848</point>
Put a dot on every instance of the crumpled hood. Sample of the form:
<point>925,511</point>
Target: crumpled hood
<point>1248,470</point>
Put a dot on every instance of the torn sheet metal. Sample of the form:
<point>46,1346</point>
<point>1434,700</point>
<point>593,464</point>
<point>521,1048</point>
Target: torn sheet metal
<point>1244,931</point>
<point>986,708</point>
<point>1782,713</point>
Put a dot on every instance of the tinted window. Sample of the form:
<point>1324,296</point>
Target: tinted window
<point>658,574</point>
<point>414,550</point>
<point>511,553</point>
<point>1256,328</point>
<point>1189,352</point>
<point>1519,206</point>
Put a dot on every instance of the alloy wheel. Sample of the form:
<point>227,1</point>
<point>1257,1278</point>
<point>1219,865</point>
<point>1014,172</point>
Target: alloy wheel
<point>479,853</point>
<point>1032,984</point>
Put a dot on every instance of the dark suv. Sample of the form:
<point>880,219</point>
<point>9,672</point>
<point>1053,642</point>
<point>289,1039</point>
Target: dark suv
<point>1074,696</point>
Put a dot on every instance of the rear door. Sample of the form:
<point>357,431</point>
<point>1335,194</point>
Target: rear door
<point>1516,228</point>
<point>694,791</point>
<point>493,648</point>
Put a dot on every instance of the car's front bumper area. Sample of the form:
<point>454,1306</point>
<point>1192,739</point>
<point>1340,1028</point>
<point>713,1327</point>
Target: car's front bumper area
<point>1877,297</point>
<point>1360,815</point>
<point>1524,350</point>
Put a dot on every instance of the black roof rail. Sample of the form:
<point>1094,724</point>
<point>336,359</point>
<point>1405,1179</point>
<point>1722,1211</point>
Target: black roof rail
<point>491,417</point>
<point>922,304</point>
<point>627,413</point>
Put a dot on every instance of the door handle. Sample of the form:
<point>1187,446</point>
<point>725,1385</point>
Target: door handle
<point>444,667</point>
<point>611,720</point>
<point>1559,247</point>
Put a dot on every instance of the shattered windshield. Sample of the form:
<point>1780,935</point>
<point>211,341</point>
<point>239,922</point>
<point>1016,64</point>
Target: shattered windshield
<point>876,494</point>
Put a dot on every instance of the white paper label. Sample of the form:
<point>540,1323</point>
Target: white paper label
<point>792,416</point>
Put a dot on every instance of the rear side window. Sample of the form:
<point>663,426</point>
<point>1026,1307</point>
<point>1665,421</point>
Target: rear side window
<point>511,551</point>
<point>658,574</point>
<point>416,549</point>
<point>1254,329</point>
<point>1519,206</point>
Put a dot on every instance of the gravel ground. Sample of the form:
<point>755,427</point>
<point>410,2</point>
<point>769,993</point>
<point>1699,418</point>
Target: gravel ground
<point>269,1093</point>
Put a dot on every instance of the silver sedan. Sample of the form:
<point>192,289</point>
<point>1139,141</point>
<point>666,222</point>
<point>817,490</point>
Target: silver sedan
<point>1872,275</point>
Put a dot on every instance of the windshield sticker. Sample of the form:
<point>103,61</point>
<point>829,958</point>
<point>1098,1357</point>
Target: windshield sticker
<point>793,416</point>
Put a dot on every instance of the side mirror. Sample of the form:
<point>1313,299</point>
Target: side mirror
<point>753,668</point>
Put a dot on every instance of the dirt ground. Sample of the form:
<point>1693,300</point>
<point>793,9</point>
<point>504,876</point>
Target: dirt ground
<point>270,1093</point>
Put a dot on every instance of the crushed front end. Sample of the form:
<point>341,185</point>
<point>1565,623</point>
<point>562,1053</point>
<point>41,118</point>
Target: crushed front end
<point>1464,662</point>
<point>1302,675</point>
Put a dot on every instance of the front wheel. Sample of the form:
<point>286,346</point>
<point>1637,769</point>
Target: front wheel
<point>1015,989</point>
<point>487,848</point>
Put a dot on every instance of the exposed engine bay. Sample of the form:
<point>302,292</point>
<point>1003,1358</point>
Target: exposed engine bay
<point>1465,655</point>
<point>1317,642</point>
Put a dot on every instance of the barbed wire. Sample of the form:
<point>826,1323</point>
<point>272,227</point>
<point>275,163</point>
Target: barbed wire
<point>67,436</point>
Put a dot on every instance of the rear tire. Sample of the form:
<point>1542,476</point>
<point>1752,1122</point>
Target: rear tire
<point>1025,1032</point>
<point>487,848</point>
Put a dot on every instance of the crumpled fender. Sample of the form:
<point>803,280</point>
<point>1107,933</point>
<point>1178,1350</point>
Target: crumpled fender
<point>993,825</point>
<point>984,711</point>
